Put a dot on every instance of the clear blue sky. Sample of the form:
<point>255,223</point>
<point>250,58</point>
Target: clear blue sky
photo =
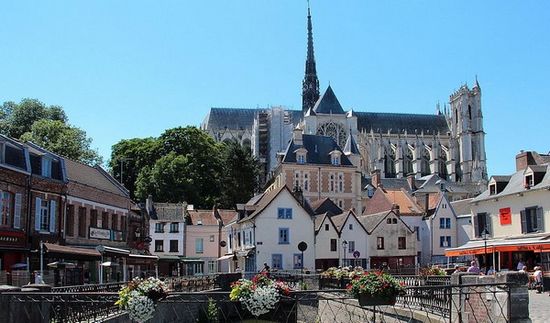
<point>124,69</point>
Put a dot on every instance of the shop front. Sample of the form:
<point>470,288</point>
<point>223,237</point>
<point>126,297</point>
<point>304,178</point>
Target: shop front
<point>505,254</point>
<point>68,265</point>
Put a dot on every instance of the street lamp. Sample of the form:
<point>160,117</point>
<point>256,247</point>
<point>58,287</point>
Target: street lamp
<point>344,250</point>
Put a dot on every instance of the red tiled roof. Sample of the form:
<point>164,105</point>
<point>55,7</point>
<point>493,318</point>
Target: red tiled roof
<point>202,217</point>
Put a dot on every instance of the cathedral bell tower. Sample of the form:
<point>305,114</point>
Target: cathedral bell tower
<point>466,123</point>
<point>310,84</point>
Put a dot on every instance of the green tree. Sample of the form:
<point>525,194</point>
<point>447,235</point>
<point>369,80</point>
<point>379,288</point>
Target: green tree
<point>167,180</point>
<point>241,172</point>
<point>62,139</point>
<point>17,119</point>
<point>131,156</point>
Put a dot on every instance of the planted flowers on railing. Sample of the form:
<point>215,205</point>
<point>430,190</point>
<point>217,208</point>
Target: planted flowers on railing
<point>259,295</point>
<point>139,298</point>
<point>375,288</point>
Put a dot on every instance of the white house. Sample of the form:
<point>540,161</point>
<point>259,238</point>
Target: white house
<point>327,242</point>
<point>166,229</point>
<point>511,219</point>
<point>270,231</point>
<point>353,239</point>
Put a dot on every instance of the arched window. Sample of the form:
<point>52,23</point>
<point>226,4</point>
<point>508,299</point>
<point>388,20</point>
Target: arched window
<point>443,165</point>
<point>334,130</point>
<point>246,143</point>
<point>425,163</point>
<point>389,163</point>
<point>469,112</point>
<point>407,162</point>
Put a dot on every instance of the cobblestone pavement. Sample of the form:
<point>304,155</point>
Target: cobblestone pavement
<point>539,307</point>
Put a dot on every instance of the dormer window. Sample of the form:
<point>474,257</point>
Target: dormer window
<point>301,158</point>
<point>335,160</point>
<point>46,166</point>
<point>528,181</point>
<point>492,189</point>
<point>335,157</point>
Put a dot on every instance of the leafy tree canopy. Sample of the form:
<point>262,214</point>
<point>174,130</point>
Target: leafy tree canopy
<point>63,139</point>
<point>47,126</point>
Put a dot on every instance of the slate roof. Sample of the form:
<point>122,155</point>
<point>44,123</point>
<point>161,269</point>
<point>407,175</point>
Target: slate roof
<point>462,207</point>
<point>501,178</point>
<point>230,118</point>
<point>516,185</point>
<point>325,205</point>
<point>370,222</point>
<point>351,146</point>
<point>398,122</point>
<point>341,219</point>
<point>430,185</point>
<point>168,212</point>
<point>94,177</point>
<point>318,150</point>
<point>319,219</point>
<point>328,103</point>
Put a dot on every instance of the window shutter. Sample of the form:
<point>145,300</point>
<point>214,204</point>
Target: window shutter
<point>17,211</point>
<point>489,224</point>
<point>476,226</point>
<point>523,221</point>
<point>540,219</point>
<point>53,211</point>
<point>37,204</point>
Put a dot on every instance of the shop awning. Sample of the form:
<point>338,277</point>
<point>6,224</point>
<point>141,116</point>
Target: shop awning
<point>226,257</point>
<point>113,250</point>
<point>477,247</point>
<point>148,257</point>
<point>66,250</point>
<point>169,258</point>
<point>183,259</point>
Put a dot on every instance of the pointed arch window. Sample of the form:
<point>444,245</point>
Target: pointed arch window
<point>407,162</point>
<point>469,112</point>
<point>425,163</point>
<point>389,163</point>
<point>443,165</point>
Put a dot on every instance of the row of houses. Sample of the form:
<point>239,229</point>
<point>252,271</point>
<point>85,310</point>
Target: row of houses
<point>78,219</point>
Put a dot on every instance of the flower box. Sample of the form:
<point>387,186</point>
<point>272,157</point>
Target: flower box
<point>376,300</point>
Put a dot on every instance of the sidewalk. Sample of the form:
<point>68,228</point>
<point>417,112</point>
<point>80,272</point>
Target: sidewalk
<point>539,309</point>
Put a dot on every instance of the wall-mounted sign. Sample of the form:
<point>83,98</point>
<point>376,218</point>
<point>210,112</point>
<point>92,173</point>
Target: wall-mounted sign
<point>97,233</point>
<point>505,216</point>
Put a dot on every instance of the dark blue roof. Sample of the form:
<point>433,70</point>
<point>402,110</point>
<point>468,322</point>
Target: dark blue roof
<point>230,118</point>
<point>328,103</point>
<point>351,146</point>
<point>318,150</point>
<point>398,122</point>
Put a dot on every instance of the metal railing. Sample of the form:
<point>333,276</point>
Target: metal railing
<point>442,303</point>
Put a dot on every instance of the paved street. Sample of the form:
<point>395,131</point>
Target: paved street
<point>539,307</point>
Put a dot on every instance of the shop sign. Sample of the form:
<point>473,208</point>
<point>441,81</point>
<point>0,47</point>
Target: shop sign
<point>117,235</point>
<point>12,238</point>
<point>505,216</point>
<point>97,233</point>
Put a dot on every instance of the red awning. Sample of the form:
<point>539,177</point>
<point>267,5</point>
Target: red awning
<point>66,250</point>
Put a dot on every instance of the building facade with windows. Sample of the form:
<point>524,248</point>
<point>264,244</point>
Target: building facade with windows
<point>167,233</point>
<point>450,142</point>
<point>270,231</point>
<point>511,219</point>
<point>14,177</point>
<point>391,244</point>
<point>353,240</point>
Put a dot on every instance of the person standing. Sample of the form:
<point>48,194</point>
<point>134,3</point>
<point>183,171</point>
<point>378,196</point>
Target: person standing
<point>520,265</point>
<point>266,268</point>
<point>538,279</point>
<point>474,268</point>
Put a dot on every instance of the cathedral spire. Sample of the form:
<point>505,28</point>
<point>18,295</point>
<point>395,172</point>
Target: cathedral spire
<point>310,84</point>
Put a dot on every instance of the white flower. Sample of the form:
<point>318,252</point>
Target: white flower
<point>141,308</point>
<point>261,301</point>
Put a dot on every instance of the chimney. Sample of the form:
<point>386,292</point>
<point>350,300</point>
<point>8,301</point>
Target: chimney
<point>524,159</point>
<point>395,208</point>
<point>298,194</point>
<point>375,178</point>
<point>412,182</point>
<point>297,136</point>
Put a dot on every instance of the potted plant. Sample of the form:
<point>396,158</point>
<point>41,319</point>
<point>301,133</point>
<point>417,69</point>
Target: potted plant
<point>139,298</point>
<point>375,288</point>
<point>260,295</point>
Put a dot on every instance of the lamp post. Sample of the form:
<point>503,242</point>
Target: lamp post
<point>344,245</point>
